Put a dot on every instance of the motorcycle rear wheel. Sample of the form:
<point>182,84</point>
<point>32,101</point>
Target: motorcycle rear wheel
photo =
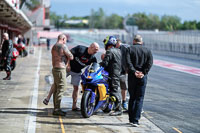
<point>109,107</point>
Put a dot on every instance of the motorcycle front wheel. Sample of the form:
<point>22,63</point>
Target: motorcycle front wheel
<point>87,108</point>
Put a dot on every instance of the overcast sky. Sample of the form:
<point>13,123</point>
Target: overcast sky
<point>185,9</point>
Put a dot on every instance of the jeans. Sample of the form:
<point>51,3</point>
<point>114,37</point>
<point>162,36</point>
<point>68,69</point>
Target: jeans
<point>136,88</point>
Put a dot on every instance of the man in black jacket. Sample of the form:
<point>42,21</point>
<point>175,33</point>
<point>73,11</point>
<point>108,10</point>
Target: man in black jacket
<point>139,61</point>
<point>112,64</point>
<point>7,48</point>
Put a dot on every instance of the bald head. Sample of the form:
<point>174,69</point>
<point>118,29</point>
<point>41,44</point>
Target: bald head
<point>6,36</point>
<point>93,48</point>
<point>62,39</point>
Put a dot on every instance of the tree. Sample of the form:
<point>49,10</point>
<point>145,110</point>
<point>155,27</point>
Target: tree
<point>97,19</point>
<point>57,20</point>
<point>153,22</point>
<point>130,20</point>
<point>114,22</point>
<point>198,25</point>
<point>170,23</point>
<point>141,20</point>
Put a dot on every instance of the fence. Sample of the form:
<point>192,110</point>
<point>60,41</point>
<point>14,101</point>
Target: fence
<point>184,44</point>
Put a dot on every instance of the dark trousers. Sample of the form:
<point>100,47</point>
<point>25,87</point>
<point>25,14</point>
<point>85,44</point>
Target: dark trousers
<point>114,83</point>
<point>136,88</point>
<point>114,90</point>
<point>7,64</point>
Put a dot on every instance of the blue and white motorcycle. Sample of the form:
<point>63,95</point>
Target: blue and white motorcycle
<point>95,91</point>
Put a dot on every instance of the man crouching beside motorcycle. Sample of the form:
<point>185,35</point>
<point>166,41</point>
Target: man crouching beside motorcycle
<point>6,56</point>
<point>112,64</point>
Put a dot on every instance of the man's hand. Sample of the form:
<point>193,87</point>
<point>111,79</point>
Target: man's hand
<point>139,74</point>
<point>102,56</point>
<point>68,68</point>
<point>4,58</point>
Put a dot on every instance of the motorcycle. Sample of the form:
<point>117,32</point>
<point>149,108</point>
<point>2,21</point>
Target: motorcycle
<point>95,91</point>
<point>13,60</point>
<point>22,49</point>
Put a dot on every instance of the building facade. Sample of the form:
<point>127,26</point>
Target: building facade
<point>12,19</point>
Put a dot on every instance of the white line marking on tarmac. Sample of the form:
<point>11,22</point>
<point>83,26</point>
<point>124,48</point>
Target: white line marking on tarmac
<point>177,67</point>
<point>32,117</point>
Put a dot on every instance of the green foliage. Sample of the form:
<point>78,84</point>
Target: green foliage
<point>99,20</point>
<point>198,25</point>
<point>170,23</point>
<point>153,22</point>
<point>57,20</point>
<point>189,25</point>
<point>114,22</point>
<point>141,20</point>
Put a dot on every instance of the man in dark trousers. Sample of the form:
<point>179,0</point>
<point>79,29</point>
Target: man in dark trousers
<point>7,48</point>
<point>48,43</point>
<point>139,61</point>
<point>112,64</point>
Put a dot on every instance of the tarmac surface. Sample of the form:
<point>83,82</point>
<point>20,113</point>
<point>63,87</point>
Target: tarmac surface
<point>22,110</point>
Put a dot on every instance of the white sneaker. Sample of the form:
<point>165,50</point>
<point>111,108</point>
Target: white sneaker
<point>134,124</point>
<point>142,112</point>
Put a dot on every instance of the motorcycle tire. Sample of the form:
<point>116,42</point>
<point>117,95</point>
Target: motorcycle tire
<point>87,108</point>
<point>108,107</point>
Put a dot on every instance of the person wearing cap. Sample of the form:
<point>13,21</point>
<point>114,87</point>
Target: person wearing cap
<point>139,62</point>
<point>123,76</point>
<point>7,48</point>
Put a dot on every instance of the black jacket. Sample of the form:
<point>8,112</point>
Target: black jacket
<point>112,61</point>
<point>7,48</point>
<point>123,48</point>
<point>139,58</point>
<point>81,58</point>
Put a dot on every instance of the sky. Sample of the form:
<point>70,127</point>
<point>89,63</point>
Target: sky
<point>187,10</point>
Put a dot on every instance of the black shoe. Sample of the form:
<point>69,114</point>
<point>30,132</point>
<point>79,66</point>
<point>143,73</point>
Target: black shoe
<point>116,113</point>
<point>46,101</point>
<point>59,112</point>
<point>7,78</point>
